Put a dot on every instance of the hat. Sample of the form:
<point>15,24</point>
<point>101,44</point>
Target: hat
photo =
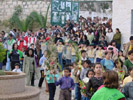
<point>110,48</point>
<point>92,44</point>
<point>61,40</point>
<point>100,45</point>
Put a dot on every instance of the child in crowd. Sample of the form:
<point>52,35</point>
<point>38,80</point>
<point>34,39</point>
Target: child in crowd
<point>128,91</point>
<point>118,66</point>
<point>129,62</point>
<point>129,78</point>
<point>67,52</point>
<point>73,53</point>
<point>72,66</point>
<point>50,75</point>
<point>17,69</point>
<point>21,60</point>
<point>91,53</point>
<point>76,73</point>
<point>85,68</point>
<point>121,56</point>
<point>120,69</point>
<point>41,63</point>
<point>60,49</point>
<point>99,54</point>
<point>89,75</point>
<point>81,47</point>
<point>95,82</point>
<point>83,55</point>
<point>66,84</point>
<point>107,62</point>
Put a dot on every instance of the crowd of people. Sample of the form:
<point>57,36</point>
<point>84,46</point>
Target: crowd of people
<point>91,64</point>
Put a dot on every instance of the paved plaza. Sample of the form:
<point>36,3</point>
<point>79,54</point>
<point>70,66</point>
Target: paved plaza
<point>44,95</point>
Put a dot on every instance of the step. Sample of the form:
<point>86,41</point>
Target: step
<point>12,83</point>
<point>30,93</point>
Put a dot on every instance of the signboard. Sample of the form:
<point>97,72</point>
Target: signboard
<point>62,10</point>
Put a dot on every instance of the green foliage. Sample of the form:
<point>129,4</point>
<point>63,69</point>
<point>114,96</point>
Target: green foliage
<point>59,66</point>
<point>82,86</point>
<point>2,72</point>
<point>17,12</point>
<point>121,72</point>
<point>46,16</point>
<point>51,56</point>
<point>77,52</point>
<point>15,21</point>
<point>37,18</point>
<point>27,23</point>
<point>42,20</point>
<point>2,52</point>
<point>23,25</point>
<point>87,6</point>
<point>105,6</point>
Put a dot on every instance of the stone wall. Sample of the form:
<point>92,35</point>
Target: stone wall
<point>7,7</point>
<point>122,17</point>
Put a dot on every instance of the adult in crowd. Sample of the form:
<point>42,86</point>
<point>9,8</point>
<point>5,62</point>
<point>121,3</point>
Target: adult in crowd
<point>29,67</point>
<point>9,44</point>
<point>15,55</point>
<point>128,78</point>
<point>109,35</point>
<point>128,46</point>
<point>107,62</point>
<point>110,89</point>
<point>117,38</point>
<point>95,82</point>
<point>73,43</point>
<point>128,91</point>
<point>129,62</point>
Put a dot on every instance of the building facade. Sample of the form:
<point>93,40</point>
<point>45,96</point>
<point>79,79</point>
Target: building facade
<point>122,18</point>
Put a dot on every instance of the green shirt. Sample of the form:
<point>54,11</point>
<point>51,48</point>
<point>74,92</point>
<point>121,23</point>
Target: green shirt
<point>48,75</point>
<point>128,64</point>
<point>20,53</point>
<point>117,38</point>
<point>107,94</point>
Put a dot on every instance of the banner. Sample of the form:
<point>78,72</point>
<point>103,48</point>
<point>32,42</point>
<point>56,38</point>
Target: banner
<point>62,10</point>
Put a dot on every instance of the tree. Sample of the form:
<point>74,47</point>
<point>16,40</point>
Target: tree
<point>27,23</point>
<point>39,18</point>
<point>23,25</point>
<point>2,52</point>
<point>15,21</point>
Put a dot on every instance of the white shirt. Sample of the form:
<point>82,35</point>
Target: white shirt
<point>17,70</point>
<point>31,40</point>
<point>109,37</point>
<point>83,59</point>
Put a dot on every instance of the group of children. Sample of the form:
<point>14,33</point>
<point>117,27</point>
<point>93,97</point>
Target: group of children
<point>91,77</point>
<point>84,51</point>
